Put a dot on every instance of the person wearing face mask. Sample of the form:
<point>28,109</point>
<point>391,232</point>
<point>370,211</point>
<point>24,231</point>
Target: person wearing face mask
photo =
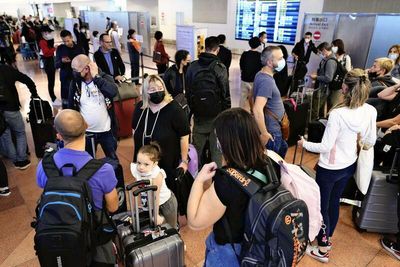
<point>65,53</point>
<point>325,73</point>
<point>340,54</point>
<point>268,107</point>
<point>301,53</point>
<point>46,45</point>
<point>338,153</point>
<point>174,77</point>
<point>393,54</point>
<point>134,50</point>
<point>160,118</point>
<point>91,93</point>
<point>379,75</point>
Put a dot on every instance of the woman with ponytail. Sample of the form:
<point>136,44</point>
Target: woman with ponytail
<point>46,45</point>
<point>348,121</point>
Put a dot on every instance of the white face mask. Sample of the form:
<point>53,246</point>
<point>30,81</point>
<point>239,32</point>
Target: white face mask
<point>281,65</point>
<point>334,49</point>
<point>321,56</point>
<point>48,36</point>
<point>393,56</point>
<point>307,40</point>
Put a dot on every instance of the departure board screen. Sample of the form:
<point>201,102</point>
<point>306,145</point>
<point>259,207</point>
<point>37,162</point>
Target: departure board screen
<point>278,18</point>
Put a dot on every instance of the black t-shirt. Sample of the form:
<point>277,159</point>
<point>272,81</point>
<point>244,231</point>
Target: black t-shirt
<point>235,200</point>
<point>250,64</point>
<point>171,125</point>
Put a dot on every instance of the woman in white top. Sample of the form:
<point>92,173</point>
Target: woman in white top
<point>146,167</point>
<point>340,54</point>
<point>347,121</point>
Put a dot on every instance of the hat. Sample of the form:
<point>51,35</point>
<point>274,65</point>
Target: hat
<point>46,28</point>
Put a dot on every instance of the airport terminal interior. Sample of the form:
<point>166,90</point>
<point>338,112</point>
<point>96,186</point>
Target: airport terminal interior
<point>366,29</point>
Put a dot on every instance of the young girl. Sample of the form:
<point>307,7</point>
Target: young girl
<point>146,167</point>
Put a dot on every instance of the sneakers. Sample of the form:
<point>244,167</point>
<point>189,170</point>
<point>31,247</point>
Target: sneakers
<point>4,192</point>
<point>389,246</point>
<point>315,253</point>
<point>22,165</point>
<point>329,247</point>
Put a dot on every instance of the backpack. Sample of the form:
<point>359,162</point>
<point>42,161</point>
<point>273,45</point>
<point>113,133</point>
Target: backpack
<point>276,224</point>
<point>338,77</point>
<point>65,231</point>
<point>205,95</point>
<point>303,187</point>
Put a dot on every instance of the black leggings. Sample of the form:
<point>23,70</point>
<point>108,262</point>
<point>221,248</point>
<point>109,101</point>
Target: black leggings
<point>161,68</point>
<point>50,70</point>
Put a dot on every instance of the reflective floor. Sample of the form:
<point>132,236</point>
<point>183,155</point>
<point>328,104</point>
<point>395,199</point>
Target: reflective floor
<point>350,248</point>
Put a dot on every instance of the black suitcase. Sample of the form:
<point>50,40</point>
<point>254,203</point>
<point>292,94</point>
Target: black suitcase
<point>42,125</point>
<point>297,114</point>
<point>316,130</point>
<point>151,245</point>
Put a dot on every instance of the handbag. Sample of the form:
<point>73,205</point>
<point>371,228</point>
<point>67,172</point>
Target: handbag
<point>284,123</point>
<point>157,57</point>
<point>126,91</point>
<point>365,164</point>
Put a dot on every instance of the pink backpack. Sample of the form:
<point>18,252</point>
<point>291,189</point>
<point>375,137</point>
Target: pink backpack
<point>303,187</point>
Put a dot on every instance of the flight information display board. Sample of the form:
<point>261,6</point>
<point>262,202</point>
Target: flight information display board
<point>278,18</point>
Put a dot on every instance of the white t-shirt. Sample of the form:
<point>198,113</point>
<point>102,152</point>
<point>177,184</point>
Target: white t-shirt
<point>165,193</point>
<point>93,109</point>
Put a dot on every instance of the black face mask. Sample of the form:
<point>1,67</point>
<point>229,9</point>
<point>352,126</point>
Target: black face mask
<point>372,75</point>
<point>157,97</point>
<point>77,76</point>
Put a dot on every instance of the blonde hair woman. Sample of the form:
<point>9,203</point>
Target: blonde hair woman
<point>338,152</point>
<point>160,118</point>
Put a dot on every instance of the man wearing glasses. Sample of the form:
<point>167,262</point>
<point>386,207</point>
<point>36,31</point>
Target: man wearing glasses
<point>91,93</point>
<point>64,55</point>
<point>108,59</point>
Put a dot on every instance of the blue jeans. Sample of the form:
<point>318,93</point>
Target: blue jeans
<point>16,127</point>
<point>331,185</point>
<point>278,145</point>
<point>221,255</point>
<point>107,141</point>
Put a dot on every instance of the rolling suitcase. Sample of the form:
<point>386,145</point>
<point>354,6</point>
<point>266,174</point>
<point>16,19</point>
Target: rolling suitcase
<point>297,114</point>
<point>124,110</point>
<point>310,172</point>
<point>156,245</point>
<point>378,211</point>
<point>41,121</point>
<point>316,130</point>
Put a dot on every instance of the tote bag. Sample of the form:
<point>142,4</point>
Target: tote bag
<point>365,164</point>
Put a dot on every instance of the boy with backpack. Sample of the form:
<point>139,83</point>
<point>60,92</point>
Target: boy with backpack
<point>77,192</point>
<point>328,81</point>
<point>208,95</point>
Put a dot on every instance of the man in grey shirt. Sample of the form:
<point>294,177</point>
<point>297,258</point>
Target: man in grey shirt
<point>268,107</point>
<point>324,75</point>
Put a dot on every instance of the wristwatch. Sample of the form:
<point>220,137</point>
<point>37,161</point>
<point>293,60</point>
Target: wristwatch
<point>185,161</point>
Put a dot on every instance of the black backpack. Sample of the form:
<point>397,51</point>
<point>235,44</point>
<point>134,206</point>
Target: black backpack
<point>338,77</point>
<point>65,218</point>
<point>276,224</point>
<point>205,95</point>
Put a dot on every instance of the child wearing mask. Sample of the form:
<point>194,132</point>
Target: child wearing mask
<point>146,167</point>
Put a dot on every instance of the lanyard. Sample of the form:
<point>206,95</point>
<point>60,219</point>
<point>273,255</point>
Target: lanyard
<point>145,135</point>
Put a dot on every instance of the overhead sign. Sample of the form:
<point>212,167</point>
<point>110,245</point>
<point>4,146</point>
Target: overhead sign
<point>321,26</point>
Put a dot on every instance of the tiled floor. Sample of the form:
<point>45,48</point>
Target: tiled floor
<point>351,248</point>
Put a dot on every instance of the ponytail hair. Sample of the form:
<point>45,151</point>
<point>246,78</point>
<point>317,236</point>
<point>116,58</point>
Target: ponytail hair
<point>359,86</point>
<point>153,150</point>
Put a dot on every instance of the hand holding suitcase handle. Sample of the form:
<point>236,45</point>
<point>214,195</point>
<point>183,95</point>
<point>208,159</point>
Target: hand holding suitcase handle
<point>140,183</point>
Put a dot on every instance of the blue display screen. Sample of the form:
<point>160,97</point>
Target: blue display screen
<point>278,18</point>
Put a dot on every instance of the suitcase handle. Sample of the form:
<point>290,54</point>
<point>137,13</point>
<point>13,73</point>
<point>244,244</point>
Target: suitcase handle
<point>295,154</point>
<point>137,183</point>
<point>144,189</point>
<point>153,212</point>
